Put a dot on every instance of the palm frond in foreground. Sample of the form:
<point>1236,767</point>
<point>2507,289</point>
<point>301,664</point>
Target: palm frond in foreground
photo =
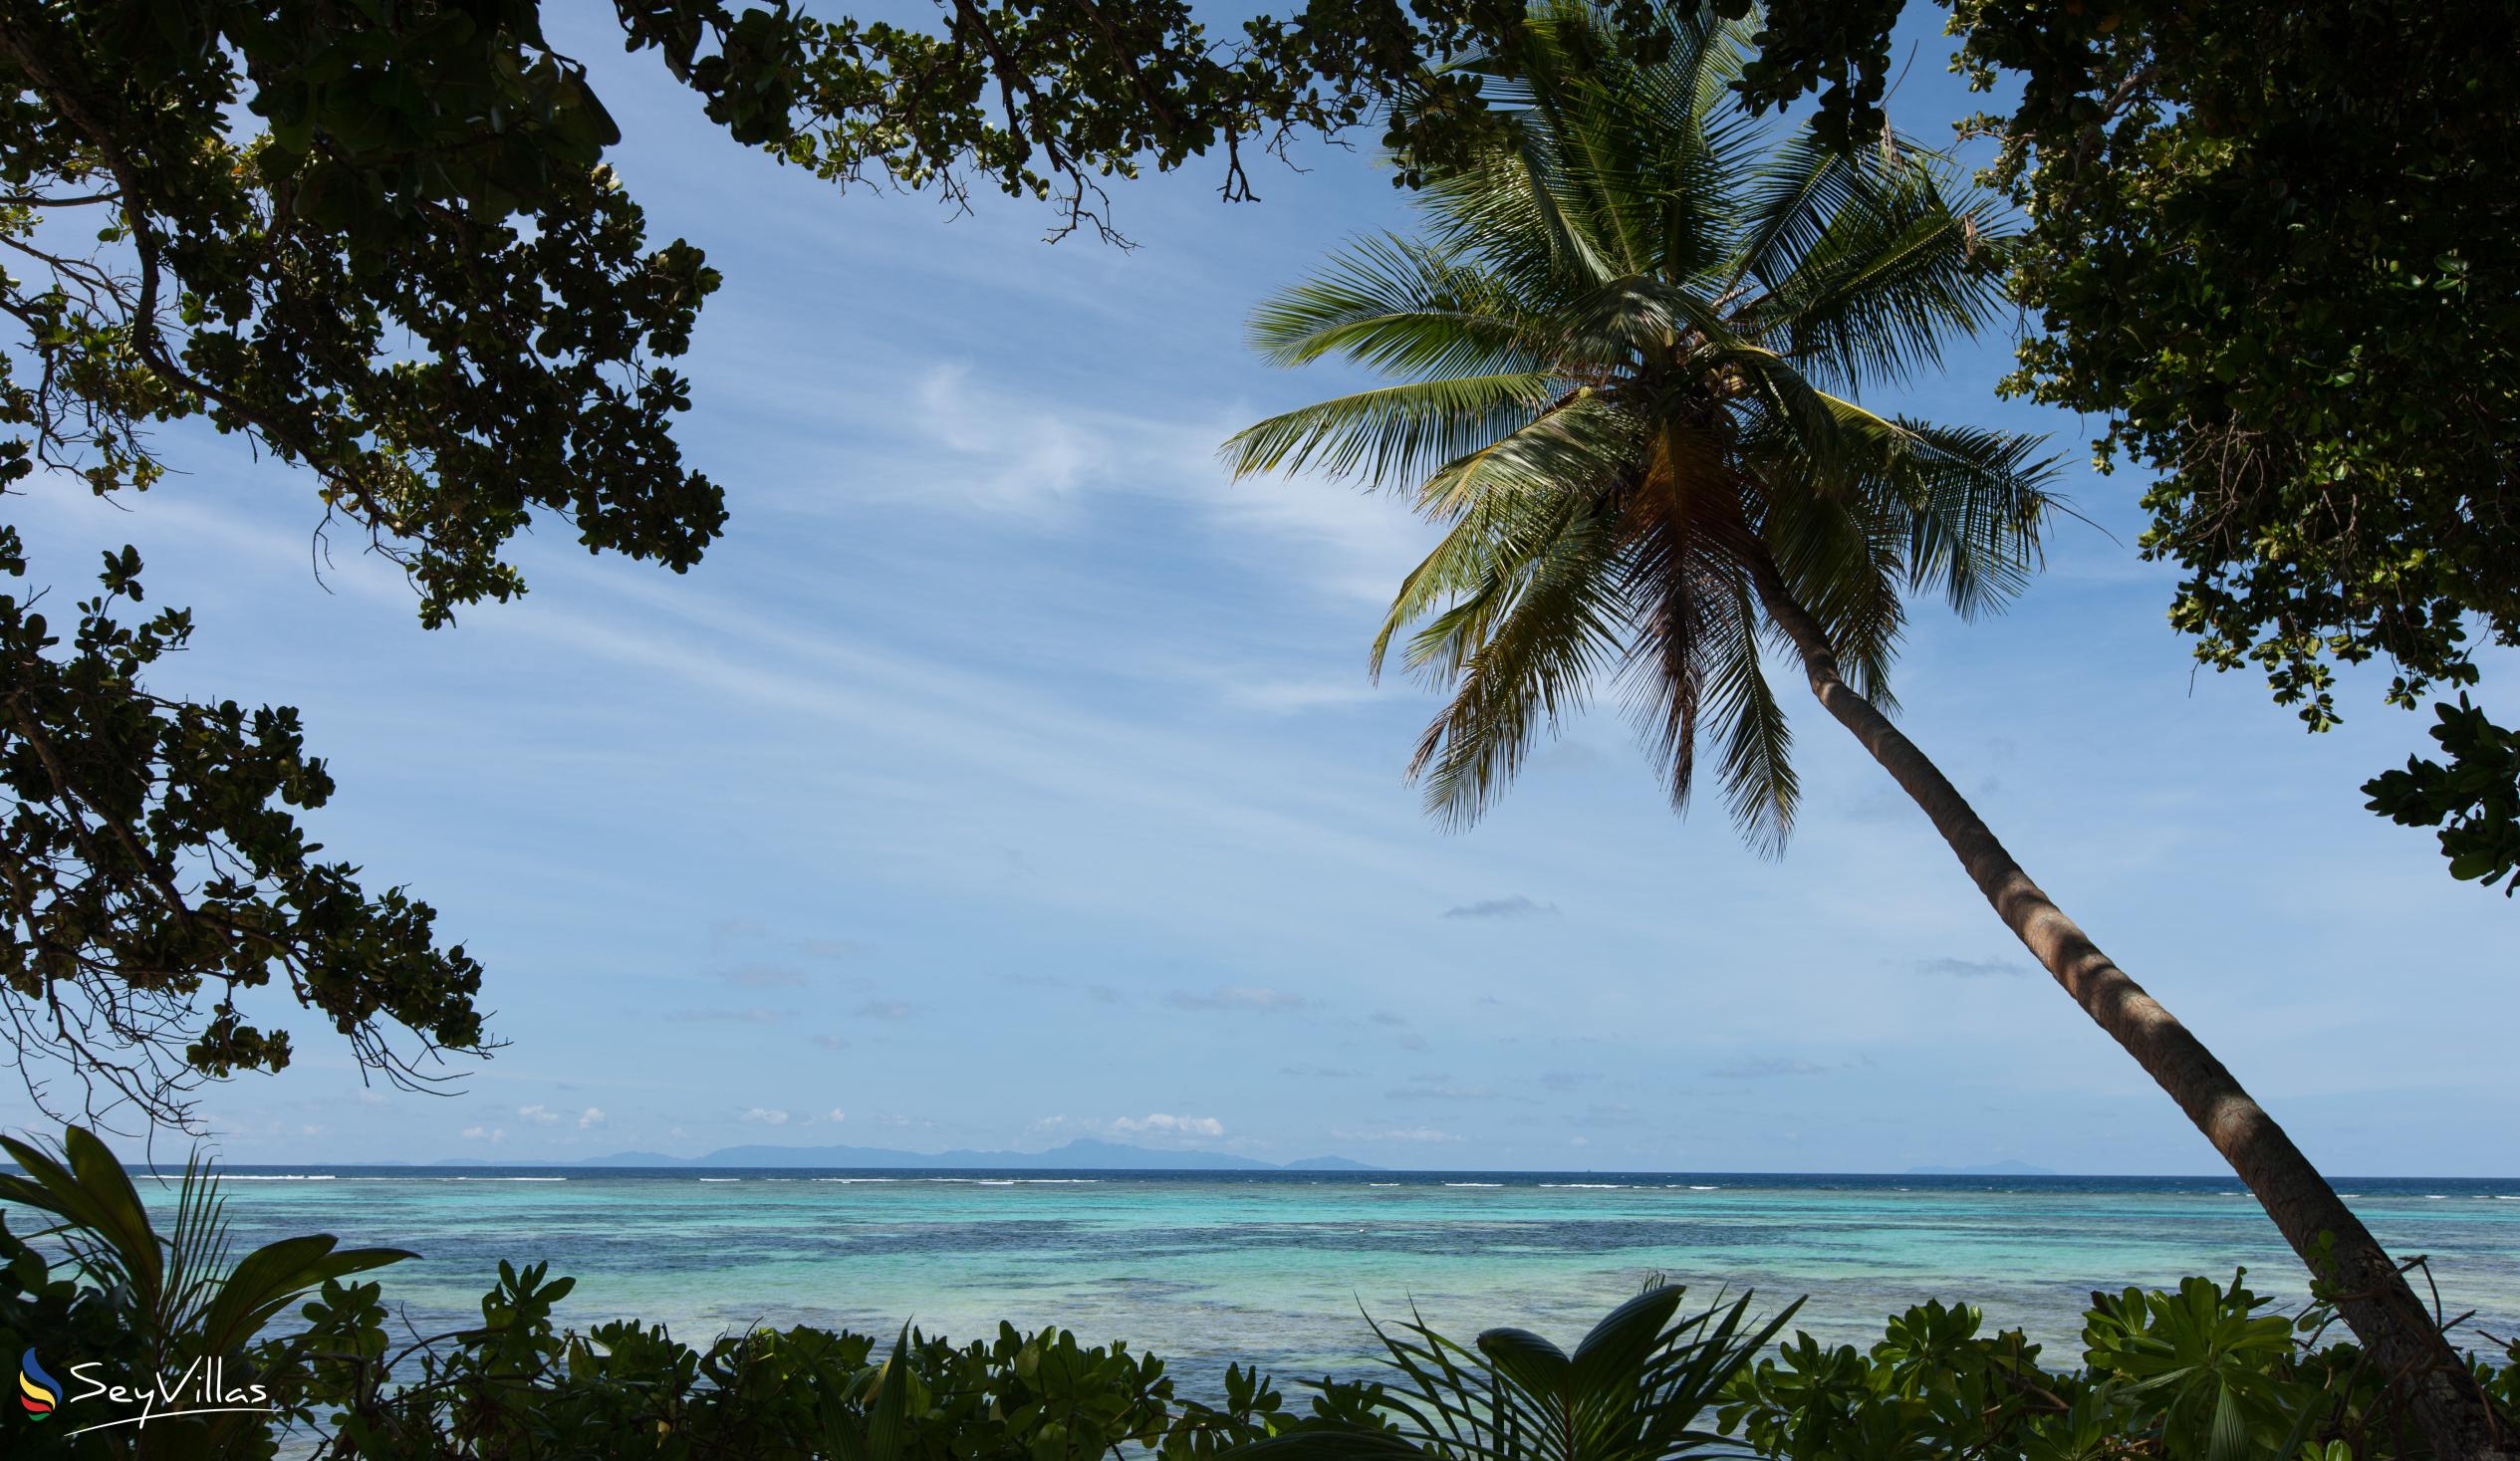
<point>1637,1388</point>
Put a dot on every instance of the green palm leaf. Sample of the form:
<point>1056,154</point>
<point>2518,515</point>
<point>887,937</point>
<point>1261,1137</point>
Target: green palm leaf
<point>1635,1389</point>
<point>1625,354</point>
<point>1399,306</point>
<point>1392,432</point>
<point>171,1282</point>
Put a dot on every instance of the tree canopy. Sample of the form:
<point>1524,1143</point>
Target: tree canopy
<point>2276,248</point>
<point>380,242</point>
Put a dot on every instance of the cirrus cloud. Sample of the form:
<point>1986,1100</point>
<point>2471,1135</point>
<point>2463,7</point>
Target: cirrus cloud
<point>1516,907</point>
<point>1160,1124</point>
<point>1236,997</point>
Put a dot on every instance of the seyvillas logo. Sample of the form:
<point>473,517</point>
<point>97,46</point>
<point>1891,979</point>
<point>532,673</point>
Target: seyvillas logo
<point>37,1392</point>
<point>201,1389</point>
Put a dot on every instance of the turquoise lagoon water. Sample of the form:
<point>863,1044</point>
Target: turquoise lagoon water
<point>1206,1268</point>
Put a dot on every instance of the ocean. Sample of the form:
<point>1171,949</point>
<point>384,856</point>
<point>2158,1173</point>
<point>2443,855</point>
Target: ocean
<point>1280,1267</point>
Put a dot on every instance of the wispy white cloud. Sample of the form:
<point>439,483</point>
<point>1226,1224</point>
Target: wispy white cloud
<point>1160,1124</point>
<point>1515,907</point>
<point>1768,1068</point>
<point>1441,1091</point>
<point>1001,454</point>
<point>1415,1134</point>
<point>762,976</point>
<point>755,1014</point>
<point>970,442</point>
<point>1236,997</point>
<point>1958,968</point>
<point>1291,697</point>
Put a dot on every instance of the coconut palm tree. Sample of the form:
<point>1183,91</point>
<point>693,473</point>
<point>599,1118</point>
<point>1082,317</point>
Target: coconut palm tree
<point>1629,344</point>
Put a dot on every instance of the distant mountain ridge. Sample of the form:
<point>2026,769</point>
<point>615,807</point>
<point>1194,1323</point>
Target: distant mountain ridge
<point>1082,1154</point>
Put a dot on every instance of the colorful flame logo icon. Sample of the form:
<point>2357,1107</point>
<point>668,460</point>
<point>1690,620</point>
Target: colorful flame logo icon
<point>37,1392</point>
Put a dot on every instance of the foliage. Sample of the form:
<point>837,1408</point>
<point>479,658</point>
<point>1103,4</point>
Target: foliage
<point>1635,1389</point>
<point>150,1303</point>
<point>2475,798</point>
<point>2204,1373</point>
<point>153,849</point>
<point>52,1313</point>
<point>1629,344</point>
<point>519,1386</point>
<point>2272,245</point>
<point>380,243</point>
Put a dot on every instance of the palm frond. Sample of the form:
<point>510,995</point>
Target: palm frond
<point>1977,502</point>
<point>1893,270</point>
<point>1521,651</point>
<point>1466,577</point>
<point>1786,207</point>
<point>1957,509</point>
<point>170,1283</point>
<point>1635,1389</point>
<point>1760,788</point>
<point>1638,315</point>
<point>1393,431</point>
<point>1635,335</point>
<point>1582,444</point>
<point>1632,163</point>
<point>1505,502</point>
<point>1400,307</point>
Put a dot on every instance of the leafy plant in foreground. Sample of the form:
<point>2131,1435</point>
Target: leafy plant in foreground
<point>2200,1373</point>
<point>149,1303</point>
<point>1637,1388</point>
<point>517,1385</point>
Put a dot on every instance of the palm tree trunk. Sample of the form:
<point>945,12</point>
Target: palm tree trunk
<point>2403,1340</point>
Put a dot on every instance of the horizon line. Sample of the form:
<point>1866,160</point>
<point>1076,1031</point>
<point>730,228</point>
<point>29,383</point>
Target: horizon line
<point>1282,1169</point>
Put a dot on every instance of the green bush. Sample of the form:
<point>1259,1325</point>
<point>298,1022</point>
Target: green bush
<point>519,1386</point>
<point>2204,1373</point>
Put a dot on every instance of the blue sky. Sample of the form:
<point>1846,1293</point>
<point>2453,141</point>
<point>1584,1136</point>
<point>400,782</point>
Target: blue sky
<point>1008,776</point>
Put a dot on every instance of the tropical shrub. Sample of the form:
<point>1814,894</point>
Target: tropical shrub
<point>2203,1373</point>
<point>146,1308</point>
<point>1635,1389</point>
<point>519,1386</point>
